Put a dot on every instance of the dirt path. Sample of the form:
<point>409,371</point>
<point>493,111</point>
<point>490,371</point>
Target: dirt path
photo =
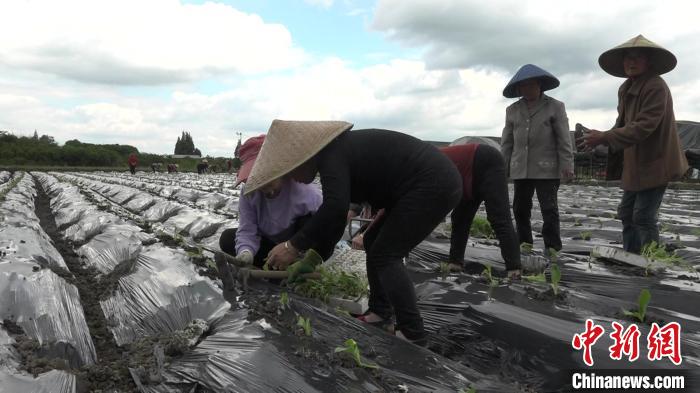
<point>111,370</point>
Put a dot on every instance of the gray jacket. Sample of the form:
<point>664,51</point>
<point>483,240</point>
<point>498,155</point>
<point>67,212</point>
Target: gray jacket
<point>536,144</point>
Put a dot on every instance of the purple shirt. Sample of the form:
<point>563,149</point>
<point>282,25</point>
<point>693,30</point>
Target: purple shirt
<point>273,218</point>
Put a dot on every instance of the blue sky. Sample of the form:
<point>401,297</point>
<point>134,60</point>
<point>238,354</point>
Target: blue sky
<point>140,72</point>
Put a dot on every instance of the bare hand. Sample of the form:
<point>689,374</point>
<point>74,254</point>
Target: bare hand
<point>591,139</point>
<point>358,242</point>
<point>281,256</point>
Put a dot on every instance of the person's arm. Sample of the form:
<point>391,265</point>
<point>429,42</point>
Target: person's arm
<point>507,143</point>
<point>565,151</point>
<point>326,227</point>
<point>462,217</point>
<point>653,99</point>
<point>247,235</point>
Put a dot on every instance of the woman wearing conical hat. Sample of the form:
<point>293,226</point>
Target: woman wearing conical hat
<point>265,220</point>
<point>415,184</point>
<point>537,149</point>
<point>645,131</point>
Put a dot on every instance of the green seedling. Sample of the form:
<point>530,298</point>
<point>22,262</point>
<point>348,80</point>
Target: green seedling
<point>642,302</point>
<point>664,228</point>
<point>351,349</point>
<point>481,228</point>
<point>284,300</point>
<point>526,248</point>
<point>600,223</point>
<point>465,390</point>
<point>657,252</point>
<point>541,278</point>
<point>305,323</point>
<point>577,222</point>
<point>585,235</point>
<point>695,232</point>
<point>343,312</point>
<point>334,283</point>
<point>444,269</point>
<point>553,254</point>
<point>556,277</point>
<point>489,276</point>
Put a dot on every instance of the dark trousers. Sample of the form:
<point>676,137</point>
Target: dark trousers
<point>132,169</point>
<point>227,242</point>
<point>522,210</point>
<point>433,193</point>
<point>489,185</point>
<point>639,212</point>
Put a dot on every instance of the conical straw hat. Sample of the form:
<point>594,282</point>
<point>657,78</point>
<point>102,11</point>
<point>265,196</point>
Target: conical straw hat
<point>289,144</point>
<point>661,60</point>
<point>530,71</point>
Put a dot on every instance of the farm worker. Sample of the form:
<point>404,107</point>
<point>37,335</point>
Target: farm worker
<point>268,219</point>
<point>483,180</point>
<point>133,161</point>
<point>645,131</point>
<point>537,149</point>
<point>415,184</point>
<point>203,166</point>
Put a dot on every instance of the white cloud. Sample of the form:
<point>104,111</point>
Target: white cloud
<point>320,3</point>
<point>140,42</point>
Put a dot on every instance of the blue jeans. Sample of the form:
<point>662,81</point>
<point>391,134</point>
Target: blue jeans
<point>639,212</point>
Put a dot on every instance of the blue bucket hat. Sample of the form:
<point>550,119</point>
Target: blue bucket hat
<point>530,71</point>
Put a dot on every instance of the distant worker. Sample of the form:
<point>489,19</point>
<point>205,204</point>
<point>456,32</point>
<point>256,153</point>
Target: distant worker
<point>203,167</point>
<point>229,165</point>
<point>133,161</point>
<point>536,146</point>
<point>646,132</point>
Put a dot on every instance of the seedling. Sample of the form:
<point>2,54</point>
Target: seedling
<point>657,252</point>
<point>465,390</point>
<point>642,302</point>
<point>556,277</point>
<point>489,276</point>
<point>526,248</point>
<point>334,283</point>
<point>585,235</point>
<point>577,222</point>
<point>284,300</point>
<point>481,228</point>
<point>343,312</point>
<point>553,254</point>
<point>444,269</point>
<point>541,278</point>
<point>305,323</point>
<point>695,231</point>
<point>352,350</point>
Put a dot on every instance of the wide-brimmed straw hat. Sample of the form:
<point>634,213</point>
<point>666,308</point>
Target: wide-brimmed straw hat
<point>661,60</point>
<point>289,144</point>
<point>530,71</point>
<point>248,153</point>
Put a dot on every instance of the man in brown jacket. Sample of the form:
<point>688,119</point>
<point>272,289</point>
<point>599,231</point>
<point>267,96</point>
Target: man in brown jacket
<point>646,130</point>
